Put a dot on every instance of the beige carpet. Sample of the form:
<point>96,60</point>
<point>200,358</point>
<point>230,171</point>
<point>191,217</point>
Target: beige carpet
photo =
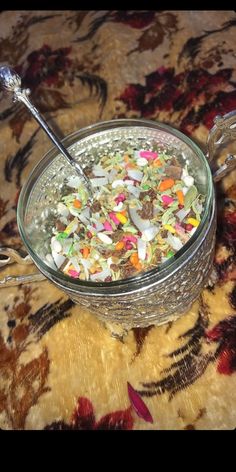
<point>60,367</point>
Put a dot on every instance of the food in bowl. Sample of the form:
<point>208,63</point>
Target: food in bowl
<point>146,206</point>
<point>152,296</point>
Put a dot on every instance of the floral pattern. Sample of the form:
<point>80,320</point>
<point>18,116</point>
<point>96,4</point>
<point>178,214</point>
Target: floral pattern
<point>83,418</point>
<point>23,384</point>
<point>17,393</point>
<point>196,96</point>
<point>60,368</point>
<point>45,72</point>
<point>225,334</point>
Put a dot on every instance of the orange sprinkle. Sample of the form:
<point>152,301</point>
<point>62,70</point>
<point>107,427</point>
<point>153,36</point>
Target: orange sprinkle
<point>126,158</point>
<point>120,245</point>
<point>123,212</point>
<point>180,197</point>
<point>157,163</point>
<point>86,252</point>
<point>135,261</point>
<point>131,165</point>
<point>77,203</point>
<point>166,184</point>
<point>92,270</point>
<point>138,266</point>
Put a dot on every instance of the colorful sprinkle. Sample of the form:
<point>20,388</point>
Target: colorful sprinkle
<point>166,184</point>
<point>193,222</point>
<point>73,273</point>
<point>148,154</point>
<point>141,209</point>
<point>167,200</point>
<point>170,228</point>
<point>114,218</point>
<point>107,226</point>
<point>122,219</point>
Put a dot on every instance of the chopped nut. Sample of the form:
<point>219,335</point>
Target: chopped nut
<point>60,226</point>
<point>174,172</point>
<point>147,211</point>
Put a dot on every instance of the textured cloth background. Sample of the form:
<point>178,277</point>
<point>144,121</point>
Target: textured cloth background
<point>60,368</point>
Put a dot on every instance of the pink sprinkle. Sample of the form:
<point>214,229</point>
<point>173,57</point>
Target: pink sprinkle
<point>166,199</point>
<point>107,226</point>
<point>120,198</point>
<point>113,218</point>
<point>128,245</point>
<point>188,227</point>
<point>148,154</point>
<point>130,238</point>
<point>73,273</point>
<point>179,228</point>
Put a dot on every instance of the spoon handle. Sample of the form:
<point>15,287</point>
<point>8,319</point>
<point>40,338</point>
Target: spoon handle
<point>11,82</point>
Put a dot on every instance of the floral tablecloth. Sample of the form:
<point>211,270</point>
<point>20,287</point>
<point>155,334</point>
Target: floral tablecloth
<point>60,367</point>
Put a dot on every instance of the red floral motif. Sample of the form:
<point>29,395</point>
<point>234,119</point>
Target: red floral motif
<point>45,72</point>
<point>225,333</point>
<point>83,415</point>
<point>229,227</point>
<point>197,95</point>
<point>42,69</point>
<point>83,418</point>
<point>154,25</point>
<point>133,96</point>
<point>136,19</point>
<point>225,263</point>
<point>44,66</point>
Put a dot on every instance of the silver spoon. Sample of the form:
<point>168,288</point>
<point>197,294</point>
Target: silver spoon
<point>11,82</point>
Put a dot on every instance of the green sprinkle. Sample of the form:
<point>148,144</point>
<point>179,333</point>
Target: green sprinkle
<point>61,236</point>
<point>83,194</point>
<point>146,187</point>
<point>70,250</point>
<point>190,197</point>
<point>169,254</point>
<point>130,229</point>
<point>168,214</point>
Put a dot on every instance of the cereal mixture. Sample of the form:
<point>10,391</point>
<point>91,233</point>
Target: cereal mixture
<point>145,208</point>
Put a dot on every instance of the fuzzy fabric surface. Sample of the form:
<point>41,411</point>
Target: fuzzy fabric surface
<point>60,367</point>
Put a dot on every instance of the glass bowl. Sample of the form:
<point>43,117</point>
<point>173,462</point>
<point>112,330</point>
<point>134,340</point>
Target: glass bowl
<point>156,296</point>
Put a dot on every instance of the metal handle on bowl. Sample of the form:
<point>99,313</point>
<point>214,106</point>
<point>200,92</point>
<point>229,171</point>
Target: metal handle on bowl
<point>13,256</point>
<point>224,128</point>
